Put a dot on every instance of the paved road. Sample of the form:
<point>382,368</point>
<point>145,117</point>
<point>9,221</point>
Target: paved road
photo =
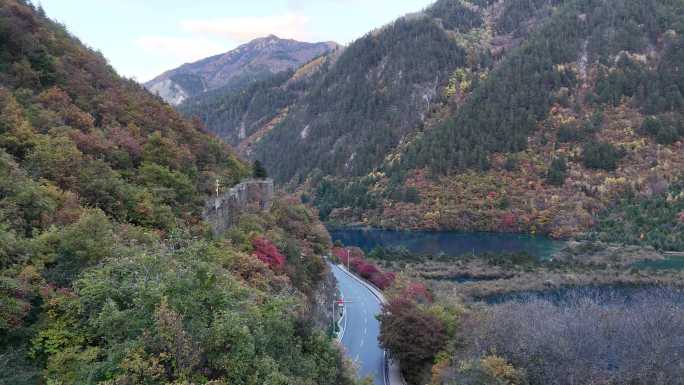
<point>362,329</point>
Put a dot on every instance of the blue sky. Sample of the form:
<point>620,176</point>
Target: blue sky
<point>143,38</point>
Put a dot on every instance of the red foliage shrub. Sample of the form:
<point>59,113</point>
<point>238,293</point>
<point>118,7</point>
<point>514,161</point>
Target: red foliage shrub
<point>363,268</point>
<point>268,253</point>
<point>91,143</point>
<point>681,217</point>
<point>410,334</point>
<point>383,280</point>
<point>417,292</point>
<point>366,270</point>
<point>343,252</point>
<point>508,221</point>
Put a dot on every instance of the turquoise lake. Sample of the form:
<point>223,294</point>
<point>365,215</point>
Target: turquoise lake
<point>448,242</point>
<point>670,263</point>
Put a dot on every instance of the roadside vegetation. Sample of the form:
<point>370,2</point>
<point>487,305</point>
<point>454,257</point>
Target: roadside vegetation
<point>108,274</point>
<point>588,314</point>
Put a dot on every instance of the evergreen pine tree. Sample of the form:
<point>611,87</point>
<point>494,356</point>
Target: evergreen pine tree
<point>258,170</point>
<point>556,174</point>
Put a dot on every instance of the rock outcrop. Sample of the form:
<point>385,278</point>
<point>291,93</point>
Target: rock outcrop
<point>224,210</point>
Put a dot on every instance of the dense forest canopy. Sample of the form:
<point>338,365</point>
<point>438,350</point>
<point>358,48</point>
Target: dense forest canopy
<point>108,275</point>
<point>504,110</point>
<point>366,101</point>
<point>235,115</point>
<point>445,94</point>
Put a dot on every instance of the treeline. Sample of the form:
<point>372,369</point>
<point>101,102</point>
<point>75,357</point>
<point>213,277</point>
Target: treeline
<point>331,194</point>
<point>357,194</point>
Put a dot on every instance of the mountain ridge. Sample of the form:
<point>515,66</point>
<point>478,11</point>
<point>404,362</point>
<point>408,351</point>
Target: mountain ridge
<point>249,62</point>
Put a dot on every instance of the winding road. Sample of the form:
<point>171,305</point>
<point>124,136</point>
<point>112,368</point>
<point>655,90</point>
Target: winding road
<point>361,329</point>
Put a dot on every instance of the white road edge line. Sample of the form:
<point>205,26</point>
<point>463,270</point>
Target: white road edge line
<point>389,366</point>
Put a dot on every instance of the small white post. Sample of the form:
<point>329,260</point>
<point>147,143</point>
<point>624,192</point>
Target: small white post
<point>348,260</point>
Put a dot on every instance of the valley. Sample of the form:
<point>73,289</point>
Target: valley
<point>457,294</point>
<point>491,190</point>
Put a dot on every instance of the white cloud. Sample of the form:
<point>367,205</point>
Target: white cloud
<point>241,29</point>
<point>187,49</point>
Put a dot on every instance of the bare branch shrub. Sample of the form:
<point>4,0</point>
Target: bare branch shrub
<point>586,338</point>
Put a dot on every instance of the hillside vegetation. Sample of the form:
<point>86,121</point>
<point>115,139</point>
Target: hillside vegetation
<point>107,272</point>
<point>543,114</point>
<point>528,116</point>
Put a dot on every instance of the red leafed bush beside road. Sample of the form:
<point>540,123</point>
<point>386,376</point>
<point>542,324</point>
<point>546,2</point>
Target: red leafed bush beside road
<point>354,258</point>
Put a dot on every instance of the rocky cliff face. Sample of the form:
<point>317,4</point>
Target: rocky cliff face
<point>223,211</point>
<point>321,303</point>
<point>246,64</point>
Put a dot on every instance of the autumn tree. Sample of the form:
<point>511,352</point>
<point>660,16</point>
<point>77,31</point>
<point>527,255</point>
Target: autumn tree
<point>411,335</point>
<point>267,252</point>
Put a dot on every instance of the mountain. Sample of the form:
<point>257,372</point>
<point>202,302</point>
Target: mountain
<point>236,69</point>
<point>108,272</point>
<point>512,115</point>
<point>244,115</point>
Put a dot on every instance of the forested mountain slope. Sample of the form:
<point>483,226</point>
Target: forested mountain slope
<point>500,65</point>
<point>585,111</point>
<point>362,104</point>
<point>514,115</point>
<point>234,70</point>
<point>107,272</point>
<point>240,116</point>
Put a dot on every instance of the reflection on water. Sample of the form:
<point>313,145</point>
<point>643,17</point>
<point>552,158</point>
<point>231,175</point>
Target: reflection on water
<point>448,242</point>
<point>671,263</point>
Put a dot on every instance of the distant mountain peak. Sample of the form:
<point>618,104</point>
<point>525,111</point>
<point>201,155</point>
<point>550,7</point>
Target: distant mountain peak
<point>244,65</point>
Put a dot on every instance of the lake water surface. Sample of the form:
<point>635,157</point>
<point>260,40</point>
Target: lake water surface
<point>448,242</point>
<point>670,263</point>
